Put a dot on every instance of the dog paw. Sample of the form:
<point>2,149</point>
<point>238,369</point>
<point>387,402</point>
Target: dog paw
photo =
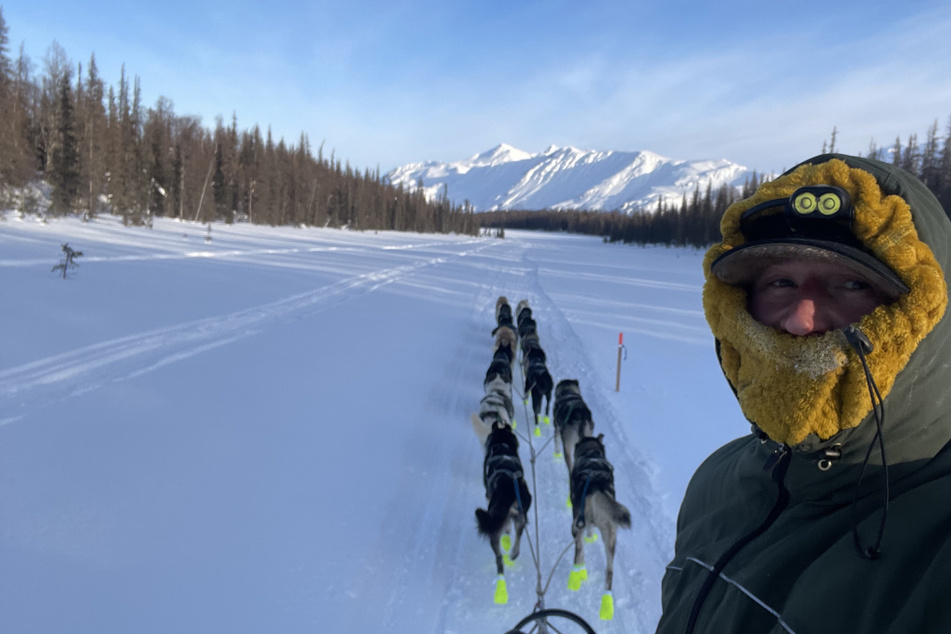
<point>578,574</point>
<point>501,591</point>
<point>607,607</point>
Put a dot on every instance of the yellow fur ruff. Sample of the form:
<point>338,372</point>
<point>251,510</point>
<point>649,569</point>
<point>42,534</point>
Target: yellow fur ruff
<point>791,386</point>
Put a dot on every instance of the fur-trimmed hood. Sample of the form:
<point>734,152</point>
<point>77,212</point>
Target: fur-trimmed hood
<point>808,390</point>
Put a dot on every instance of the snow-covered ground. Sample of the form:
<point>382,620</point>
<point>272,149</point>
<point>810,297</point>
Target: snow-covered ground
<point>270,431</point>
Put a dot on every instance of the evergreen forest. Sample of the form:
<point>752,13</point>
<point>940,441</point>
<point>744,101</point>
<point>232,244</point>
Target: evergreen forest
<point>102,151</point>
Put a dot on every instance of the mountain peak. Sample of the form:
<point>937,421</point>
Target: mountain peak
<point>505,177</point>
<point>502,153</point>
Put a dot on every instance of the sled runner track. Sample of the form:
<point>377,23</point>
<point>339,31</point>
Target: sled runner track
<point>85,369</point>
<point>234,253</point>
<point>437,568</point>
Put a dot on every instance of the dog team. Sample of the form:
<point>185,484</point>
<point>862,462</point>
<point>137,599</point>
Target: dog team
<point>591,475</point>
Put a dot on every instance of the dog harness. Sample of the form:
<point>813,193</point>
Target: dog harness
<point>597,474</point>
<point>499,464</point>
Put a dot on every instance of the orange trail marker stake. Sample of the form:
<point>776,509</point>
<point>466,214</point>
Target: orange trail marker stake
<point>620,347</point>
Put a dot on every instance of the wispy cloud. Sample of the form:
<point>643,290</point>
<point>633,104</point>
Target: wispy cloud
<point>391,83</point>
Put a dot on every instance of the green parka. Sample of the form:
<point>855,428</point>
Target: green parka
<point>768,537</point>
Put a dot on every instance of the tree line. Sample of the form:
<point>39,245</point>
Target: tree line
<point>101,150</point>
<point>694,220</point>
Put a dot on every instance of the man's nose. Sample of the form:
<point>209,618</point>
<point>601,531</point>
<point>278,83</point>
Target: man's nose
<point>803,319</point>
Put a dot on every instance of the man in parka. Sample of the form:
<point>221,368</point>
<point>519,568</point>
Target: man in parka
<point>834,516</point>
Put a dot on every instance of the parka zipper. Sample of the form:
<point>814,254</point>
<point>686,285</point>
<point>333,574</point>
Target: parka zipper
<point>777,463</point>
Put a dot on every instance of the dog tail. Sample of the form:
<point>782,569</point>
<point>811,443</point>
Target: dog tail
<point>620,514</point>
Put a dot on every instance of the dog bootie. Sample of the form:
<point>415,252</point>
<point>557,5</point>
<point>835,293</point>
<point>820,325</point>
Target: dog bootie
<point>607,606</point>
<point>546,420</point>
<point>538,430</point>
<point>501,592</point>
<point>591,537</point>
<point>506,542</point>
<point>578,574</point>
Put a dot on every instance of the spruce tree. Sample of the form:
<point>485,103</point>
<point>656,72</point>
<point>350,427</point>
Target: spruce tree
<point>64,164</point>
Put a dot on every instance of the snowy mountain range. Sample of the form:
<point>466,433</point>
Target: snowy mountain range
<point>567,178</point>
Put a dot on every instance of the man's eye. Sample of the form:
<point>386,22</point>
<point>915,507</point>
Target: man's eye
<point>783,282</point>
<point>857,285</point>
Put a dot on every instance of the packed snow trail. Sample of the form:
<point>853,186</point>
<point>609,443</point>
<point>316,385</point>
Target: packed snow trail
<point>271,431</point>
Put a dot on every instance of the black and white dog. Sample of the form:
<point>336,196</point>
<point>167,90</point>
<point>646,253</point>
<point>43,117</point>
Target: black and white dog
<point>527,326</point>
<point>593,504</point>
<point>497,403</point>
<point>505,490</point>
<point>538,381</point>
<point>500,367</point>
<point>573,419</point>
<point>528,342</point>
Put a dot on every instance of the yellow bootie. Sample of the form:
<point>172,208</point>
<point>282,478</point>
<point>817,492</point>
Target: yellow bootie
<point>578,574</point>
<point>501,592</point>
<point>607,607</point>
<point>538,430</point>
<point>506,542</point>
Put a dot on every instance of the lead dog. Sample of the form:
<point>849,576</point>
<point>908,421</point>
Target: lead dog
<point>593,503</point>
<point>572,419</point>
<point>522,309</point>
<point>505,489</point>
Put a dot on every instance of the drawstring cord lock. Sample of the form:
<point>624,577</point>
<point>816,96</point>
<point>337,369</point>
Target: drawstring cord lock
<point>829,457</point>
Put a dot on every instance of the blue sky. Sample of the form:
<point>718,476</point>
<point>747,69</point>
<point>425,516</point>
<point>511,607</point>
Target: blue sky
<point>384,84</point>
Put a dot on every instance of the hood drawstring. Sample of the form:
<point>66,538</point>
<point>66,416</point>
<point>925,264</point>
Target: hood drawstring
<point>862,346</point>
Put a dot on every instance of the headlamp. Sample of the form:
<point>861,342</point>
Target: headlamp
<point>821,212</point>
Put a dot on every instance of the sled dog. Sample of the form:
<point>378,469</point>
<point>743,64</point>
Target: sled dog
<point>538,383</point>
<point>505,336</point>
<point>499,367</point>
<point>522,309</point>
<point>527,326</point>
<point>505,347</point>
<point>594,504</point>
<point>503,313</point>
<point>528,342</point>
<point>506,492</point>
<point>572,419</point>
<point>498,393</point>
